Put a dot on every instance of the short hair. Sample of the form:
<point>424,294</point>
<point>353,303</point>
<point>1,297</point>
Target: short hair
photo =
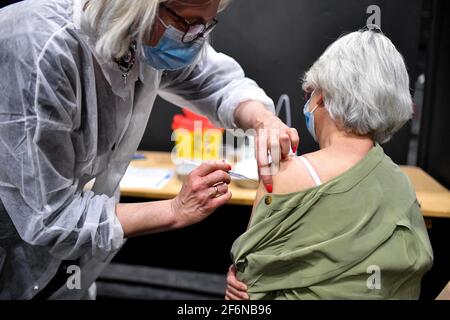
<point>116,23</point>
<point>365,84</point>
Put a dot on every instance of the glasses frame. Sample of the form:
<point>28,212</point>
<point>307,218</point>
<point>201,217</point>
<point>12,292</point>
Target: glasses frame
<point>308,94</point>
<point>206,28</point>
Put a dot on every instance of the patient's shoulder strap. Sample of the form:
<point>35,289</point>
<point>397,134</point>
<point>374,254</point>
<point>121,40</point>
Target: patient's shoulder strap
<point>311,171</point>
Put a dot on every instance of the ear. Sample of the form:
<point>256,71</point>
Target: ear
<point>320,102</point>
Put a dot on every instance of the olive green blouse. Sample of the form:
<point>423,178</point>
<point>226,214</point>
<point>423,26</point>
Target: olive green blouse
<point>358,236</point>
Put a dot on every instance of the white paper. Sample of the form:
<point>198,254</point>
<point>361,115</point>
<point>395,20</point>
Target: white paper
<point>146,178</point>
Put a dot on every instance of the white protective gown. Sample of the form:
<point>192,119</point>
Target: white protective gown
<point>66,117</point>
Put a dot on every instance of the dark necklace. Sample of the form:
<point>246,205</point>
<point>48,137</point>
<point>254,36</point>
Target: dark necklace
<point>126,63</point>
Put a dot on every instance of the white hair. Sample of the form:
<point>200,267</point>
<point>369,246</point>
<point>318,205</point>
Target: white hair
<point>365,85</point>
<point>116,23</point>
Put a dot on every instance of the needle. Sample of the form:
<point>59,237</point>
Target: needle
<point>231,173</point>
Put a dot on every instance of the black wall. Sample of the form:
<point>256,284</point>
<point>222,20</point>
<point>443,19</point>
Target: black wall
<point>4,3</point>
<point>277,41</point>
<point>434,155</point>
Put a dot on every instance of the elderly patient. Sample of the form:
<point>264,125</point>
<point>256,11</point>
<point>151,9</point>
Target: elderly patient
<point>343,222</point>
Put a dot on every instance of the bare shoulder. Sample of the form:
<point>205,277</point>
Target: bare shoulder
<point>328,163</point>
<point>292,176</point>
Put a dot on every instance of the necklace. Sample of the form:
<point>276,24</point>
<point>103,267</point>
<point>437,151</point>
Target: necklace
<point>127,62</point>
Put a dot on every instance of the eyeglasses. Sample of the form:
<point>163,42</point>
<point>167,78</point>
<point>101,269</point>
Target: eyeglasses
<point>193,30</point>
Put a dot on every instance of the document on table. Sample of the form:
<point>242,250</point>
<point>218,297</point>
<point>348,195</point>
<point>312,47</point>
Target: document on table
<point>146,178</point>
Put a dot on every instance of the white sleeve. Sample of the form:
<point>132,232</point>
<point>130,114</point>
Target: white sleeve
<point>39,170</point>
<point>214,87</point>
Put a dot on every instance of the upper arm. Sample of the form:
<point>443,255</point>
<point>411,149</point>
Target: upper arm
<point>37,144</point>
<point>260,193</point>
<point>38,172</point>
<point>291,176</point>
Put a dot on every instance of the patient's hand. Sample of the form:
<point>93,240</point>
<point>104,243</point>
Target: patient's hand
<point>236,290</point>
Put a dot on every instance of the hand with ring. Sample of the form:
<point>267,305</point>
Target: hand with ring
<point>204,190</point>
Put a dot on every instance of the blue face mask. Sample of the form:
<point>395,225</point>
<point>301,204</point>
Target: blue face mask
<point>171,53</point>
<point>309,118</point>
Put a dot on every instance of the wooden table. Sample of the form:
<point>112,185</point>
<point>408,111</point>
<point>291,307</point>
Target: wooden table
<point>433,197</point>
<point>162,160</point>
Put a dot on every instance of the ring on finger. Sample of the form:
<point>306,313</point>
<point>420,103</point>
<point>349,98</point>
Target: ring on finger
<point>215,192</point>
<point>216,189</point>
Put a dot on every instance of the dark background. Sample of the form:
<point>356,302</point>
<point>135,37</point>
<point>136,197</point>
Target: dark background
<point>434,153</point>
<point>276,42</point>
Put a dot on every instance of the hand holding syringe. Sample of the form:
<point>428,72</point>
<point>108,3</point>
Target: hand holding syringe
<point>231,173</point>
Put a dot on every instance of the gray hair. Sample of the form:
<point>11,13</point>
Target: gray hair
<point>116,23</point>
<point>365,85</point>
